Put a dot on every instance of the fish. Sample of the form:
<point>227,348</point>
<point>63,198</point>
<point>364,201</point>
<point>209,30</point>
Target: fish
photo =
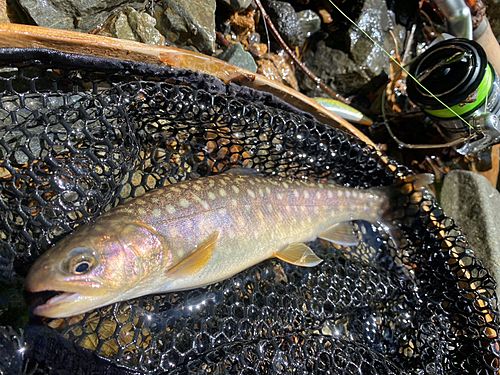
<point>198,232</point>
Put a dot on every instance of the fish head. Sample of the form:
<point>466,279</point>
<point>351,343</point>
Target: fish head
<point>96,266</point>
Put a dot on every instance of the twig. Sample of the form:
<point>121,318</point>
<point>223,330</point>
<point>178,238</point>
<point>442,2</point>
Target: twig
<point>409,43</point>
<point>305,69</point>
<point>220,38</point>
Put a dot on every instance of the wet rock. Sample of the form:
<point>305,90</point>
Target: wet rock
<point>287,22</point>
<point>75,14</point>
<point>238,4</point>
<point>188,22</point>
<point>276,67</point>
<point>358,60</point>
<point>374,18</point>
<point>134,25</point>
<point>334,68</point>
<point>258,49</point>
<point>236,55</point>
<point>474,204</point>
<point>309,22</point>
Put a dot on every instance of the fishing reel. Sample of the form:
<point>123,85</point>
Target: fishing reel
<point>459,91</point>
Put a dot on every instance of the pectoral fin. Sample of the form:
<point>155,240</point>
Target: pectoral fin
<point>299,254</point>
<point>341,233</point>
<point>196,260</point>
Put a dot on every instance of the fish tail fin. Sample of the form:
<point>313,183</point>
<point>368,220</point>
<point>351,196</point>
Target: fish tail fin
<point>393,210</point>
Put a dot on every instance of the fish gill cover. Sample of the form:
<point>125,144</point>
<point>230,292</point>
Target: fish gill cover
<point>80,135</point>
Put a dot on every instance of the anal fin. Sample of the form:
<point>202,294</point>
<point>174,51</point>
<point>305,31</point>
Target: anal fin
<point>197,259</point>
<point>341,234</point>
<point>299,254</point>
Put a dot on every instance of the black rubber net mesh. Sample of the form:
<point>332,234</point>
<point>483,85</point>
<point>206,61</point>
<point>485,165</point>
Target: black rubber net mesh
<point>80,135</point>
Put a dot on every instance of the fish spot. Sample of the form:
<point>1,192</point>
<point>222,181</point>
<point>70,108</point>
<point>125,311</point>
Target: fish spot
<point>222,192</point>
<point>156,212</point>
<point>279,196</point>
<point>170,209</point>
<point>268,190</point>
<point>211,196</point>
<point>197,187</point>
<point>306,194</point>
<point>184,203</point>
<point>204,204</point>
<point>234,202</point>
<point>340,193</point>
<point>285,185</point>
<point>329,194</point>
<point>251,193</point>
<point>235,189</point>
<point>175,189</point>
<point>296,194</point>
<point>261,192</point>
<point>318,195</point>
<point>347,194</point>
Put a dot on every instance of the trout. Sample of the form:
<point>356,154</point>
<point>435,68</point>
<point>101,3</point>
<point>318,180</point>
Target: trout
<point>195,233</point>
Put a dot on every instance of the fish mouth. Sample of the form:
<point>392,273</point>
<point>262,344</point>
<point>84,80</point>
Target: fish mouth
<point>58,298</point>
<point>64,304</point>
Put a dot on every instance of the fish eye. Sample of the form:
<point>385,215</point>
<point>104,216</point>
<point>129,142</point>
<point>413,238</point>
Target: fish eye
<point>81,261</point>
<point>81,267</point>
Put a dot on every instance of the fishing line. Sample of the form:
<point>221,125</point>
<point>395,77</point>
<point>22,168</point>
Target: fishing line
<point>400,65</point>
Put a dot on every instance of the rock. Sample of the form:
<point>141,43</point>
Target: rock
<point>236,55</point>
<point>133,25</point>
<point>309,22</point>
<point>474,204</point>
<point>276,67</point>
<point>238,4</point>
<point>358,60</point>
<point>493,14</point>
<point>73,14</point>
<point>287,22</point>
<point>374,18</point>
<point>334,68</point>
<point>3,11</point>
<point>187,22</point>
<point>258,49</point>
<point>122,29</point>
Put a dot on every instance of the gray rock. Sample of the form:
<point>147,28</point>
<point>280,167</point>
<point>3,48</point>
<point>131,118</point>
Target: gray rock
<point>474,204</point>
<point>73,14</point>
<point>349,69</point>
<point>188,22</point>
<point>134,25</point>
<point>238,4</point>
<point>334,68</point>
<point>287,22</point>
<point>374,18</point>
<point>309,22</point>
<point>236,55</point>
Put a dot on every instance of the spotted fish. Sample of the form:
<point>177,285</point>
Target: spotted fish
<point>195,233</point>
